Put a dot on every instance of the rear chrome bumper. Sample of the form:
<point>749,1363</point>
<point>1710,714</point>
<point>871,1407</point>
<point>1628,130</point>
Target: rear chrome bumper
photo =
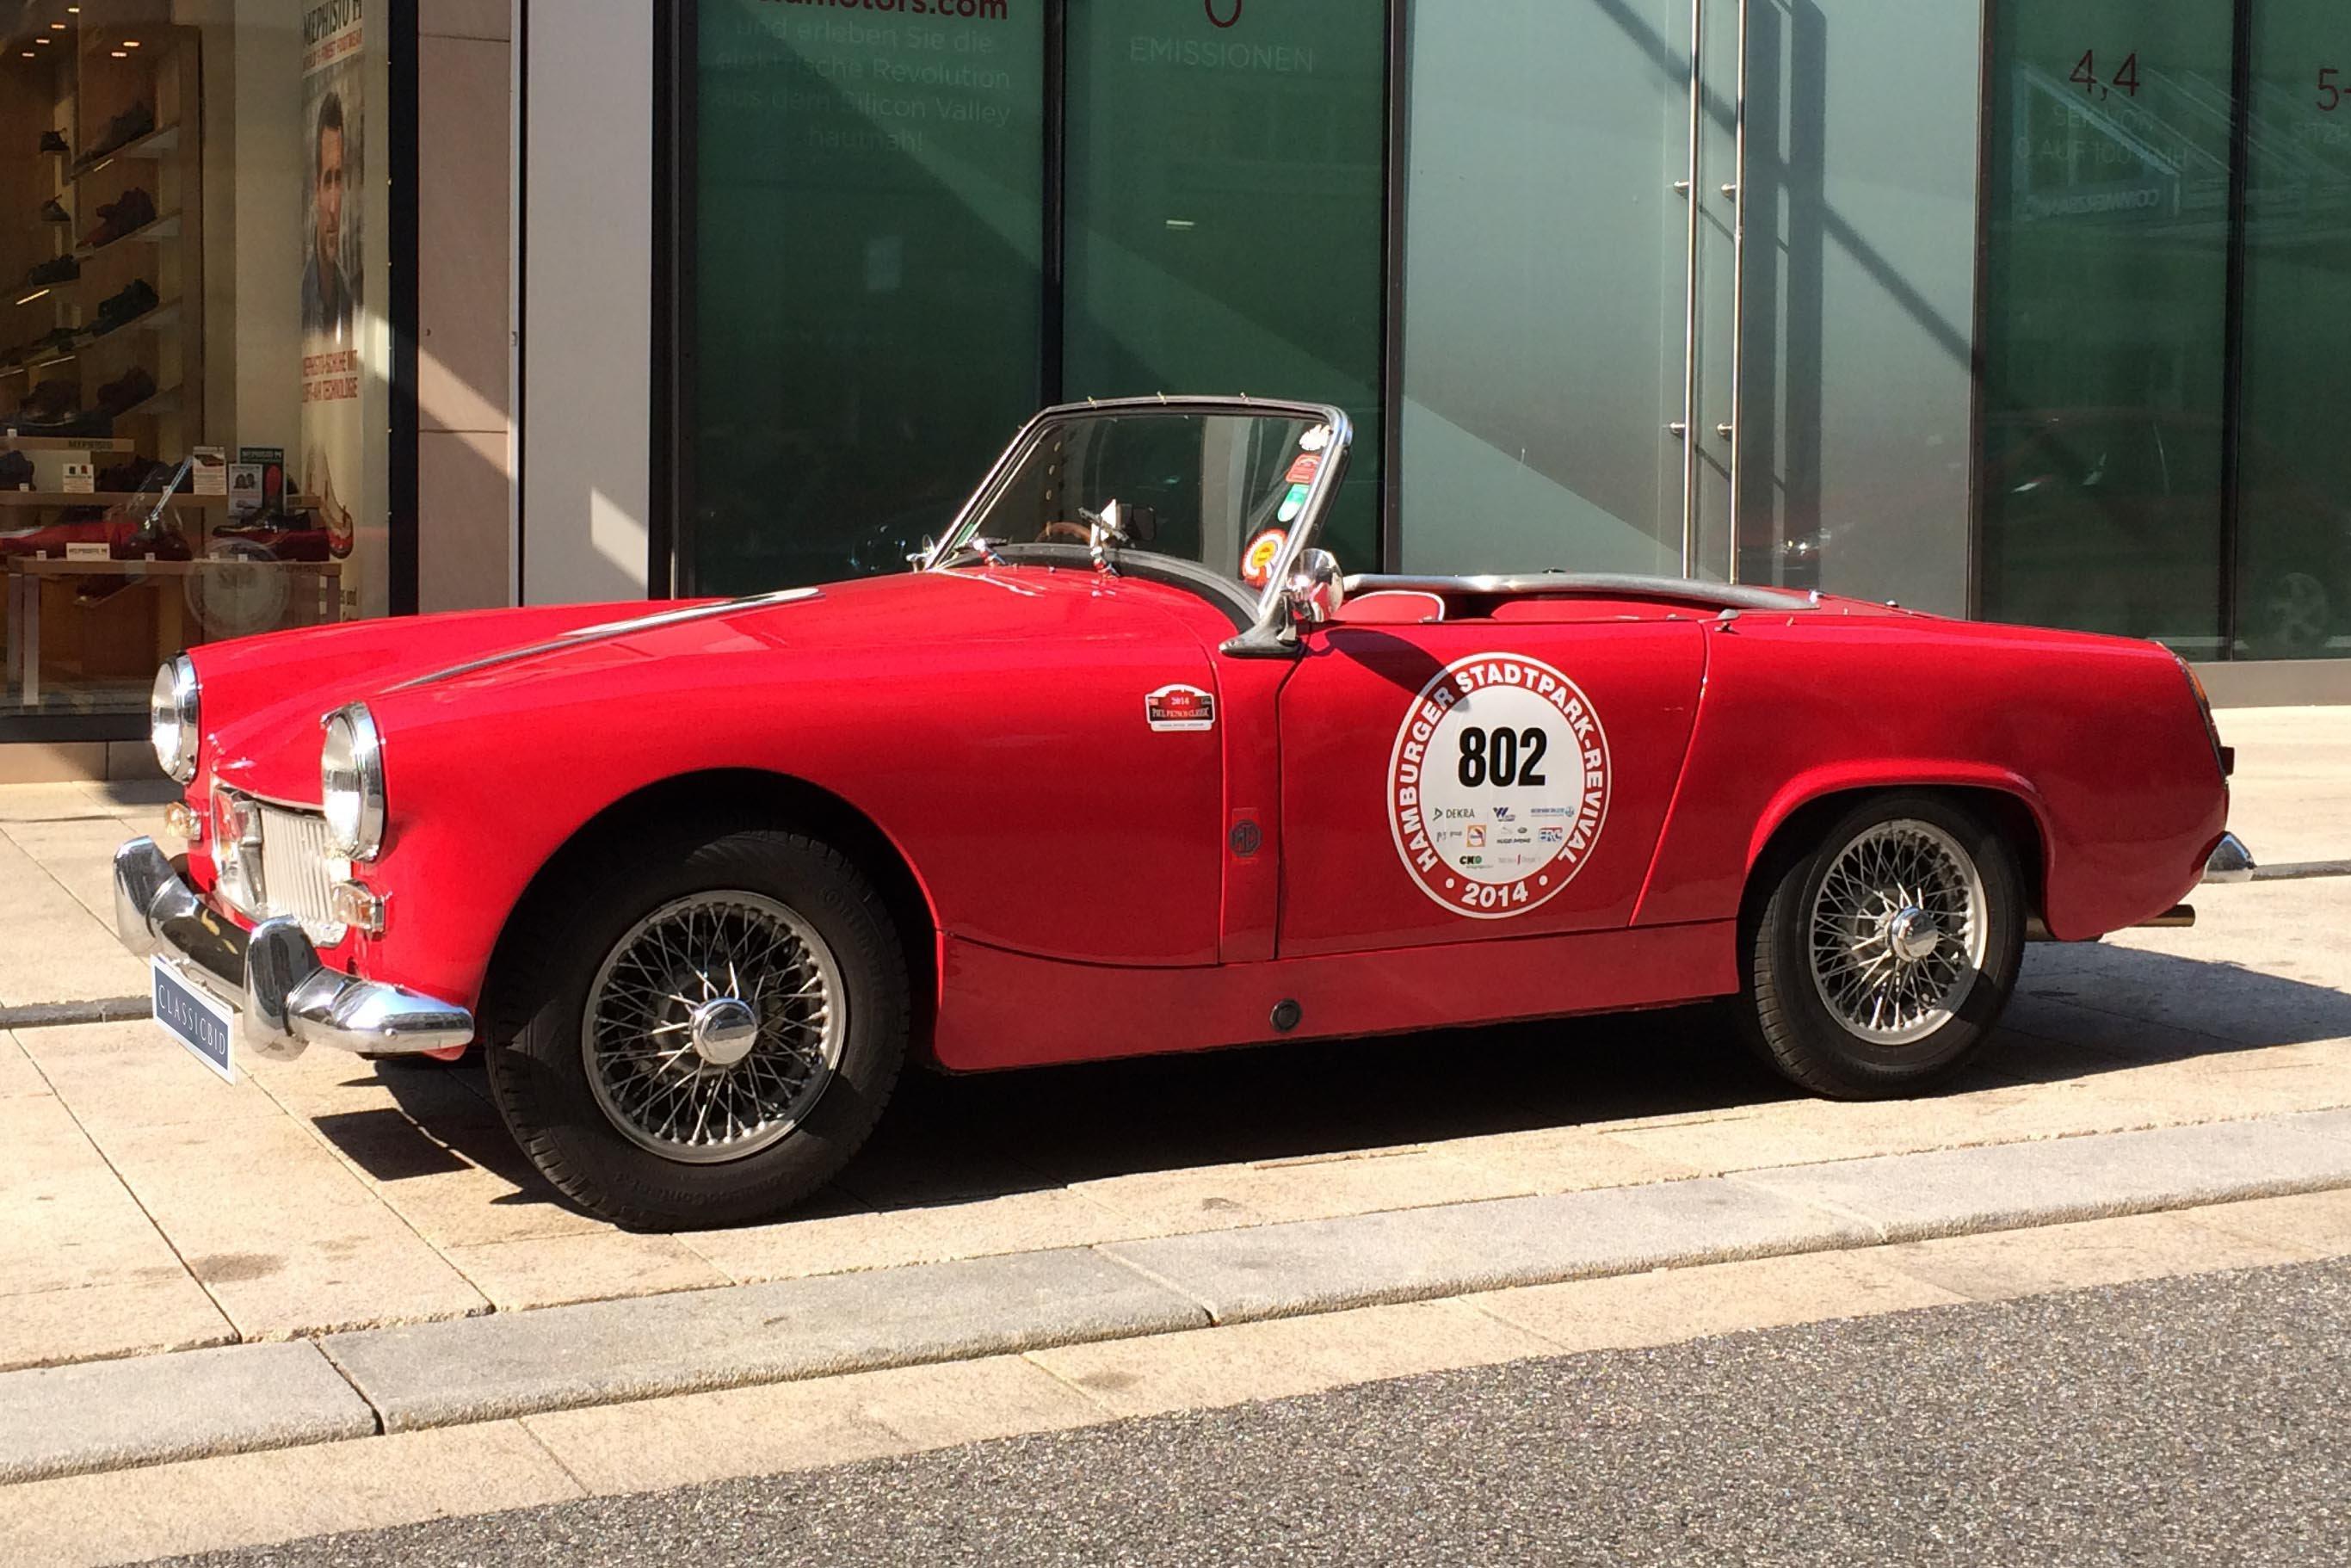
<point>285,998</point>
<point>2231,861</point>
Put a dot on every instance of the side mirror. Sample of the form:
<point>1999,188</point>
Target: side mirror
<point>1316,589</point>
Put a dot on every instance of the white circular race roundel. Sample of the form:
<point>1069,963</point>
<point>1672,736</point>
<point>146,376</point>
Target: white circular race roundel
<point>1497,786</point>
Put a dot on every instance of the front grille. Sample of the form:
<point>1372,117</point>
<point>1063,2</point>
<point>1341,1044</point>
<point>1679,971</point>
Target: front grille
<point>298,867</point>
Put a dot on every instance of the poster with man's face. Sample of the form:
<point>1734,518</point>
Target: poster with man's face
<point>333,434</point>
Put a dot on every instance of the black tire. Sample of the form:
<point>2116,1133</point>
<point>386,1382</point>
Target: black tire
<point>1783,1012</point>
<point>540,1079</point>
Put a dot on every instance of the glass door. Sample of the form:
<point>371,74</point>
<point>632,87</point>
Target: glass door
<point>1547,268</point>
<point>1655,246</point>
<point>1572,257</point>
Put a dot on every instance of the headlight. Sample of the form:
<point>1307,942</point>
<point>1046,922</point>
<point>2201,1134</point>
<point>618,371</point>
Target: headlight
<point>171,726</point>
<point>350,783</point>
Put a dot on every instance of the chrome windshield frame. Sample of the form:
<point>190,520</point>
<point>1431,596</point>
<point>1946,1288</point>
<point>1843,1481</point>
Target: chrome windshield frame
<point>1271,614</point>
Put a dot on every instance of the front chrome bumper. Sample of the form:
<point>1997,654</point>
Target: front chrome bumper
<point>285,998</point>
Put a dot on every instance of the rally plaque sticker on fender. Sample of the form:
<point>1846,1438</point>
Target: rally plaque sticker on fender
<point>1497,786</point>
<point>1179,709</point>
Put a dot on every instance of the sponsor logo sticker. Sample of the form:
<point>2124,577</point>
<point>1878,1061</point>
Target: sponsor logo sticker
<point>1292,503</point>
<point>1302,472</point>
<point>1316,438</point>
<point>1505,739</point>
<point>1180,708</point>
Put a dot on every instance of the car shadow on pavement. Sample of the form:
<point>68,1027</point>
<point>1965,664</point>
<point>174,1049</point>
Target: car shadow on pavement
<point>2080,1010</point>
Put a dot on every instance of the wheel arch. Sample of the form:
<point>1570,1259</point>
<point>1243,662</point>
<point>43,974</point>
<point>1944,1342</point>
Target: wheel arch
<point>738,796</point>
<point>1799,814</point>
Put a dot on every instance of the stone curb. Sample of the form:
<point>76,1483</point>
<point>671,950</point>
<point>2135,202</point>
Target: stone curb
<point>110,1415</point>
<point>2301,870</point>
<point>2012,1187</point>
<point>601,1352</point>
<point>1331,1265</point>
<point>104,1009</point>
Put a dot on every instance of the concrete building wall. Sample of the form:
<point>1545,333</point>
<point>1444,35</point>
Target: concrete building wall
<point>585,162</point>
<point>464,444</point>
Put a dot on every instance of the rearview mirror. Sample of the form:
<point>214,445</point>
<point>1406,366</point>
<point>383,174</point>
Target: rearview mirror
<point>1316,589</point>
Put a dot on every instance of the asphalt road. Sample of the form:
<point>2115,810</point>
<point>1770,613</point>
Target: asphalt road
<point>2186,1421</point>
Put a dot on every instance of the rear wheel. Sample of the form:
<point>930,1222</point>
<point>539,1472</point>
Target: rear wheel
<point>1881,960</point>
<point>706,1035</point>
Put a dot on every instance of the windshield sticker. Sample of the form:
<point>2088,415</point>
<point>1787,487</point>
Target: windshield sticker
<point>1302,472</point>
<point>1316,438</point>
<point>1497,786</point>
<point>1176,709</point>
<point>1291,505</point>
<point>1257,561</point>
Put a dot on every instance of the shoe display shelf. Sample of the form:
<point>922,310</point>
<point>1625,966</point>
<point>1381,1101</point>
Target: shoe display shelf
<point>98,106</point>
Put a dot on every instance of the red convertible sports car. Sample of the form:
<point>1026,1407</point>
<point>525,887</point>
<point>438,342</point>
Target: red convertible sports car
<point>1126,765</point>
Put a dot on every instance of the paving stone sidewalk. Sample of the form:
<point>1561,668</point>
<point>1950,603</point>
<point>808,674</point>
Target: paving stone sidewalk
<point>150,1207</point>
<point>1489,1255</point>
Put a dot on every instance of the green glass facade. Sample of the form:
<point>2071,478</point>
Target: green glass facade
<point>2293,467</point>
<point>1225,211</point>
<point>2049,336</point>
<point>2167,320</point>
<point>868,205</point>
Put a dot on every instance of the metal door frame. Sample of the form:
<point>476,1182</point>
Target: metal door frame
<point>1735,191</point>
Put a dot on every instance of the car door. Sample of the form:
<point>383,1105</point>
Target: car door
<point>1503,776</point>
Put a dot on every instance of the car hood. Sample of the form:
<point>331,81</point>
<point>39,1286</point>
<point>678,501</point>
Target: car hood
<point>268,695</point>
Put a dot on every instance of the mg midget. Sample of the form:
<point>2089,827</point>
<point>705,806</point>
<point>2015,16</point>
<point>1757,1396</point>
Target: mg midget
<point>1127,764</point>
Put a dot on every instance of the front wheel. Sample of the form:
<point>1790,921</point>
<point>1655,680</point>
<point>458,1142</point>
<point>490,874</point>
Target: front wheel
<point>1881,961</point>
<point>705,1035</point>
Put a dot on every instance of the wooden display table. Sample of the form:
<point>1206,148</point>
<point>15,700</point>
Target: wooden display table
<point>27,573</point>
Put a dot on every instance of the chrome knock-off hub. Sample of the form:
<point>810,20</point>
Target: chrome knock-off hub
<point>1912,934</point>
<point>724,1030</point>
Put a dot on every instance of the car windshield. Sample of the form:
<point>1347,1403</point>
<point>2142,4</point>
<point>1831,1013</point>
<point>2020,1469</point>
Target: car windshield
<point>1226,492</point>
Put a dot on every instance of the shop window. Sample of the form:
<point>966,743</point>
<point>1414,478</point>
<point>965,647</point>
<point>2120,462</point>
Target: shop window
<point>2293,540</point>
<point>869,212</point>
<point>1225,210</point>
<point>192,426</point>
<point>2106,282</point>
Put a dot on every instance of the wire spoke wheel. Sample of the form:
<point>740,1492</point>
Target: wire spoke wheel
<point>1897,931</point>
<point>713,1026</point>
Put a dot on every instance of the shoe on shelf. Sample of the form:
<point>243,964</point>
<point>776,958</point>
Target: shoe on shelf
<point>56,269</point>
<point>54,212</point>
<point>50,403</point>
<point>131,474</point>
<point>119,397</point>
<point>16,471</point>
<point>46,346</point>
<point>122,131</point>
<point>127,213</point>
<point>53,141</point>
<point>137,297</point>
